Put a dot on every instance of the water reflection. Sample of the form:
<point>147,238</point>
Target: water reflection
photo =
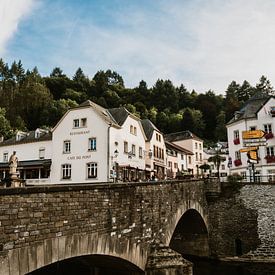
<point>203,266</point>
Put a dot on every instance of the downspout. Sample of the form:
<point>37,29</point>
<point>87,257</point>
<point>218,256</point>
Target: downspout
<point>108,152</point>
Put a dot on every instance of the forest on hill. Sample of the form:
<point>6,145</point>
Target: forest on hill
<point>29,100</point>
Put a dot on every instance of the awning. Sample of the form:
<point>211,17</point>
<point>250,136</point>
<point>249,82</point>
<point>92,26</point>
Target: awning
<point>39,163</point>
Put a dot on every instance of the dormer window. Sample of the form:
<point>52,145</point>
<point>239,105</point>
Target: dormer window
<point>20,135</point>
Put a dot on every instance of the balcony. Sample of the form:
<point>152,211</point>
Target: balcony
<point>269,135</point>
<point>237,162</point>
<point>236,141</point>
<point>270,159</point>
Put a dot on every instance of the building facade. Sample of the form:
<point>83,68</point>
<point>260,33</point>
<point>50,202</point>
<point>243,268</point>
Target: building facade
<point>191,142</point>
<point>258,113</point>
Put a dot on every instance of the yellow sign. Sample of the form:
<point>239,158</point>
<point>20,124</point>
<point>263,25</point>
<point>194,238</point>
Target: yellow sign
<point>253,134</point>
<point>253,155</point>
<point>248,149</point>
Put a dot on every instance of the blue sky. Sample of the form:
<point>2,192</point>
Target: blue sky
<point>202,44</point>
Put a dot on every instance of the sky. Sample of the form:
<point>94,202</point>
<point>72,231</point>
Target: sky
<point>203,44</point>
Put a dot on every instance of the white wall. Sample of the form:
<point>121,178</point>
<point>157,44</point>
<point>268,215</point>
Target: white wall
<point>117,138</point>
<point>27,151</point>
<point>190,144</point>
<point>80,155</point>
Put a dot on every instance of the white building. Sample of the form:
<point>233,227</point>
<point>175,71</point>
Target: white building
<point>177,158</point>
<point>191,142</point>
<point>88,144</point>
<point>155,151</point>
<point>258,113</point>
<point>34,151</point>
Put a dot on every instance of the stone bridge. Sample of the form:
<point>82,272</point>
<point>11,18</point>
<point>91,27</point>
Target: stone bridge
<point>134,224</point>
<point>43,225</point>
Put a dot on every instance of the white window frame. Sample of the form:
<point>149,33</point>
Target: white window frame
<point>270,151</point>
<point>268,128</point>
<point>66,171</point>
<point>6,157</point>
<point>92,144</point>
<point>91,168</point>
<point>42,152</point>
<point>140,152</point>
<point>76,123</point>
<point>66,147</point>
<point>133,149</point>
<point>83,122</point>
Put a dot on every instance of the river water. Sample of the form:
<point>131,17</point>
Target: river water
<point>213,267</point>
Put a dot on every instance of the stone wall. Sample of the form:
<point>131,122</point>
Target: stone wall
<point>261,198</point>
<point>232,221</point>
<point>42,225</point>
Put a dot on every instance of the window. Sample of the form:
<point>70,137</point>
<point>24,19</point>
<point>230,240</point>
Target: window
<point>6,157</point>
<point>83,122</point>
<point>189,160</point>
<point>200,146</point>
<point>158,137</point>
<point>268,128</point>
<point>66,171</point>
<point>237,155</point>
<point>223,167</point>
<point>67,146</point>
<point>91,170</point>
<point>182,157</point>
<point>92,144</point>
<point>76,123</point>
<point>175,165</point>
<point>140,152</point>
<point>135,130</point>
<point>196,145</point>
<point>270,151</point>
<point>236,134</point>
<point>252,128</point>
<point>131,129</point>
<point>196,156</point>
<point>125,147</point>
<point>200,156</point>
<point>133,149</point>
<point>182,167</point>
<point>41,153</point>
<point>170,164</point>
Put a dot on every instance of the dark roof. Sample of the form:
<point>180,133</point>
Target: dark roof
<point>178,148</point>
<point>30,137</point>
<point>119,114</point>
<point>148,128</point>
<point>183,135</point>
<point>29,163</point>
<point>251,107</point>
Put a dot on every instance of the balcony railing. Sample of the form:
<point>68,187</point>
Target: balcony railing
<point>236,141</point>
<point>237,162</point>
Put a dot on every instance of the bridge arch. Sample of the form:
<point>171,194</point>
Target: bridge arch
<point>188,230</point>
<point>35,256</point>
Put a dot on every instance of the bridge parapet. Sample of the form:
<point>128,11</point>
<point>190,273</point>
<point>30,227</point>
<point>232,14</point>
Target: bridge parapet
<point>43,225</point>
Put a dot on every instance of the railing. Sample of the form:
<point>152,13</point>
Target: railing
<point>250,179</point>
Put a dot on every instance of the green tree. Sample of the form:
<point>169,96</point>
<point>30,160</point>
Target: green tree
<point>217,159</point>
<point>5,127</point>
<point>221,132</point>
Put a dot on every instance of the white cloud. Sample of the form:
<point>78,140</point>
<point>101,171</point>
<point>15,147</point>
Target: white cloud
<point>202,44</point>
<point>11,12</point>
